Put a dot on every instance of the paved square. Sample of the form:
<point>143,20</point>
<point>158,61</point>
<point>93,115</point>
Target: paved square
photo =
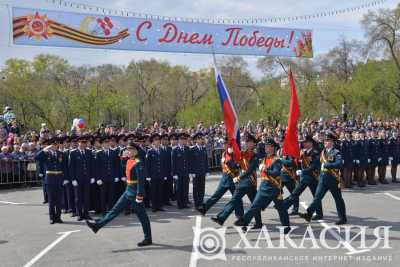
<point>27,239</point>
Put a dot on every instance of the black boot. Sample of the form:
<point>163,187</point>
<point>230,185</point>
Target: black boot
<point>93,226</point>
<point>316,218</point>
<point>305,216</point>
<point>145,242</point>
<point>202,209</point>
<point>341,221</point>
<point>240,222</point>
<point>216,220</point>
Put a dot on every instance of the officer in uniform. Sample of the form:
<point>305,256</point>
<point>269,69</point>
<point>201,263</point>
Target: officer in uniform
<point>133,194</point>
<point>309,172</point>
<point>180,171</point>
<point>81,172</point>
<point>230,169</point>
<point>329,180</point>
<point>346,147</point>
<point>41,173</point>
<point>360,157</point>
<point>373,152</point>
<point>383,147</point>
<point>288,175</point>
<point>246,184</point>
<point>54,162</point>
<point>108,164</point>
<point>199,169</point>
<point>168,186</point>
<point>174,139</point>
<point>155,173</point>
<point>270,188</point>
<point>394,144</point>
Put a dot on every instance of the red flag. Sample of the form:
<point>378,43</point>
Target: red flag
<point>291,142</point>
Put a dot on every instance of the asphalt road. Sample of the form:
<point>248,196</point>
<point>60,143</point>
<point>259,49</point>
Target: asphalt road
<point>183,238</point>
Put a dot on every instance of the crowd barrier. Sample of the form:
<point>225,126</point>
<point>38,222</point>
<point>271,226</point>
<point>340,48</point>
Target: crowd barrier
<point>24,171</point>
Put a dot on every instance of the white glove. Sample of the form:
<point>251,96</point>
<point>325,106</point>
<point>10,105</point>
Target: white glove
<point>261,167</point>
<point>148,179</point>
<point>175,177</point>
<point>357,161</point>
<point>379,159</point>
<point>116,179</point>
<point>223,159</point>
<point>390,158</point>
<point>92,180</point>
<point>123,179</point>
<point>99,182</point>
<point>322,166</point>
<point>298,172</point>
<point>369,160</point>
<point>139,200</point>
<point>65,182</point>
<point>236,180</point>
<point>75,183</point>
<point>165,178</point>
<point>40,174</point>
<point>193,175</point>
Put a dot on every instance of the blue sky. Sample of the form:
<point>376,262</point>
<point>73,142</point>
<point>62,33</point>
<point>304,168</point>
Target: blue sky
<point>327,31</point>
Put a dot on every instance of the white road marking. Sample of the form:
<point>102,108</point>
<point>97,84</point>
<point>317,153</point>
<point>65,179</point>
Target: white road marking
<point>345,244</point>
<point>392,196</point>
<point>49,247</point>
<point>196,240</point>
<point>12,203</point>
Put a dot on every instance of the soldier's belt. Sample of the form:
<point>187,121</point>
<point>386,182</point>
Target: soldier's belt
<point>54,172</point>
<point>275,182</point>
<point>131,182</point>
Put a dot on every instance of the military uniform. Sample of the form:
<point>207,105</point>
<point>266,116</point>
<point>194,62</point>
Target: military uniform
<point>230,169</point>
<point>155,175</point>
<point>168,186</point>
<point>54,163</point>
<point>247,185</point>
<point>270,190</point>
<point>81,173</point>
<point>383,158</point>
<point>133,194</point>
<point>346,148</point>
<point>180,171</point>
<point>288,177</point>
<point>373,151</point>
<point>310,166</point>
<point>198,169</point>
<point>329,180</point>
<point>394,150</point>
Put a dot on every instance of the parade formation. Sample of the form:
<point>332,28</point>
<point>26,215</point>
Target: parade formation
<point>132,172</point>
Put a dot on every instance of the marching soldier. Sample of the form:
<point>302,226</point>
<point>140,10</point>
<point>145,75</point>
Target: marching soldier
<point>155,173</point>
<point>199,169</point>
<point>54,162</point>
<point>246,184</point>
<point>329,180</point>
<point>270,188</point>
<point>80,170</point>
<point>230,169</point>
<point>180,171</point>
<point>133,194</point>
<point>288,175</point>
<point>309,172</point>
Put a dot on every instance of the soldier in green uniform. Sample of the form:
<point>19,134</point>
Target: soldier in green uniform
<point>133,194</point>
<point>329,180</point>
<point>270,188</point>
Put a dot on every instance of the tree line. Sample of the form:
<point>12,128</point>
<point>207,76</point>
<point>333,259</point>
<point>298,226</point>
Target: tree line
<point>364,75</point>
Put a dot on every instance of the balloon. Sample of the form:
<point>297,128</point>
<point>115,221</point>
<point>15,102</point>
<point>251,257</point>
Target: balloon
<point>81,123</point>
